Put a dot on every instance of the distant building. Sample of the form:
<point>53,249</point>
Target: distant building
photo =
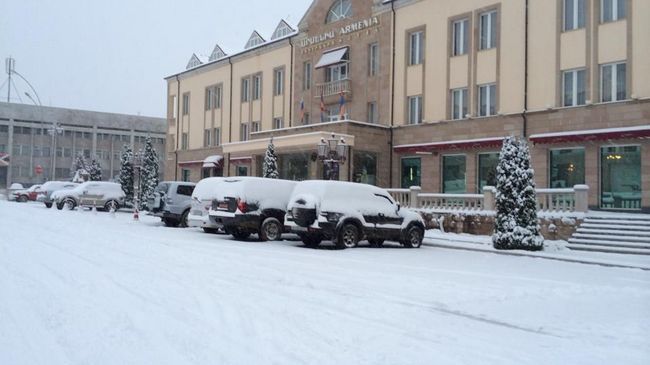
<point>28,148</point>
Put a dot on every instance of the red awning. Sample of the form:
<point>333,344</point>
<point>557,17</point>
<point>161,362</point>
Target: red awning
<point>240,160</point>
<point>450,145</point>
<point>592,135</point>
<point>188,163</point>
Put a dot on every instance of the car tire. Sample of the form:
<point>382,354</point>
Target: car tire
<point>182,223</point>
<point>239,234</point>
<point>311,240</point>
<point>414,236</point>
<point>376,242</point>
<point>69,203</point>
<point>169,222</point>
<point>22,199</point>
<point>110,204</point>
<point>48,205</point>
<point>348,236</point>
<point>271,230</point>
<point>210,230</point>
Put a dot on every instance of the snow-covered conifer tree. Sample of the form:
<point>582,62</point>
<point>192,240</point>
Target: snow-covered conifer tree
<point>270,165</point>
<point>95,170</point>
<point>126,173</point>
<point>79,167</point>
<point>150,171</point>
<point>516,225</point>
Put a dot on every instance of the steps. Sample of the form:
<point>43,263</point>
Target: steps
<point>613,233</point>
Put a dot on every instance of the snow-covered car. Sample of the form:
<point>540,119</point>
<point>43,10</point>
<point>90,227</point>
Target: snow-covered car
<point>99,194</point>
<point>346,213</point>
<point>204,192</point>
<point>13,188</point>
<point>45,194</point>
<point>252,205</point>
<point>171,201</point>
<point>26,195</point>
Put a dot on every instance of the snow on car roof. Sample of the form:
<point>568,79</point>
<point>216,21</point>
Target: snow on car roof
<point>269,193</point>
<point>207,188</point>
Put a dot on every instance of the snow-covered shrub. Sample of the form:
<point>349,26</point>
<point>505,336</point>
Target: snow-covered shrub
<point>516,226</point>
<point>126,173</point>
<point>150,172</point>
<point>95,170</point>
<point>270,165</point>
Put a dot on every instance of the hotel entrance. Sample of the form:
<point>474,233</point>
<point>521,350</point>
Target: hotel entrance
<point>620,177</point>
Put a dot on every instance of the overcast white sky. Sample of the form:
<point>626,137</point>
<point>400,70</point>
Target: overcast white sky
<point>112,55</point>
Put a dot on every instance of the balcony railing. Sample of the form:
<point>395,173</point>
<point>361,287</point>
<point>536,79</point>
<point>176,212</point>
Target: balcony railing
<point>333,88</point>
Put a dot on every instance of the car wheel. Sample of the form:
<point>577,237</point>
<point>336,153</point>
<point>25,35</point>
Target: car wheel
<point>69,204</point>
<point>239,234</point>
<point>271,230</point>
<point>414,237</point>
<point>60,206</point>
<point>348,236</point>
<point>376,242</point>
<point>23,199</point>
<point>210,230</point>
<point>48,205</point>
<point>311,240</point>
<point>111,204</point>
<point>183,222</point>
<point>170,222</point>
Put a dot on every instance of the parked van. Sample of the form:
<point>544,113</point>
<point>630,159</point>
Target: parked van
<point>171,202</point>
<point>347,213</point>
<point>248,205</point>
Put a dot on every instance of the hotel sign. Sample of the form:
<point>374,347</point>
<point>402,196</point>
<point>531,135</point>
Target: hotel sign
<point>345,30</point>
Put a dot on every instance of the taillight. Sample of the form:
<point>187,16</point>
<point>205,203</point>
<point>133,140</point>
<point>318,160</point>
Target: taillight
<point>242,206</point>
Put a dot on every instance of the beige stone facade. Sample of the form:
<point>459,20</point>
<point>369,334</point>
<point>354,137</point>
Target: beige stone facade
<point>429,88</point>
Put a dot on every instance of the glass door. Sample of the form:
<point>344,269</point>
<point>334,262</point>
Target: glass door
<point>620,177</point>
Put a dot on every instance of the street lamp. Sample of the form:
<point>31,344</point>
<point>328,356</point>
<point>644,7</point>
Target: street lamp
<point>136,161</point>
<point>333,153</point>
<point>54,130</point>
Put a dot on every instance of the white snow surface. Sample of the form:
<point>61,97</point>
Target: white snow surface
<point>93,288</point>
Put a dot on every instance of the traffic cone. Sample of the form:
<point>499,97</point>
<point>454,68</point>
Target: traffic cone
<point>136,215</point>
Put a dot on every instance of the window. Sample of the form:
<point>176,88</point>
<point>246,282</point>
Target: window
<point>255,127</point>
<point>278,82</point>
<point>306,76</point>
<point>488,30</point>
<point>218,91</point>
<point>372,112</point>
<point>411,170</point>
<point>174,107</point>
<point>184,190</point>
<point>186,104</point>
<point>216,137</point>
<point>184,141</point>
<point>4,128</point>
<point>460,37</point>
<point>487,170</point>
<point>3,148</point>
<point>185,175</point>
<point>573,88</point>
<point>242,170</point>
<point>294,166</point>
<point>567,167</point>
<point>67,152</point>
<point>306,119</point>
<point>612,10</point>
<point>459,103</point>
<point>365,168</point>
<point>245,92</point>
<point>336,72</point>
<point>453,174</point>
<point>574,14</point>
<point>487,100</point>
<point>415,109</point>
<point>257,87</point>
<point>209,97</point>
<point>373,59</point>
<point>620,177</point>
<point>613,82</point>
<point>206,138</point>
<point>416,48</point>
<point>244,132</point>
<point>278,123</point>
<point>340,10</point>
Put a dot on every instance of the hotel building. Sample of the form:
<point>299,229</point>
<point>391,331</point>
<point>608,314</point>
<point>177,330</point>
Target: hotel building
<point>424,91</point>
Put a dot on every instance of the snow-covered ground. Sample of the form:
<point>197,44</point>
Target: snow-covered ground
<point>85,288</point>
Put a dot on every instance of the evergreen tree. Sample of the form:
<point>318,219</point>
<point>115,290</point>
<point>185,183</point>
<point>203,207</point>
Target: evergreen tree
<point>95,170</point>
<point>79,168</point>
<point>150,172</point>
<point>516,225</point>
<point>126,173</point>
<point>270,165</point>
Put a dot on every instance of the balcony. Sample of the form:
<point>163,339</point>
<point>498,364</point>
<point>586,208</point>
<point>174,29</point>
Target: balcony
<point>333,88</point>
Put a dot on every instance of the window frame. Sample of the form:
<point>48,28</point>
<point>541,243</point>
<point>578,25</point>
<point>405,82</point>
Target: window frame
<point>216,136</point>
<point>278,123</point>
<point>278,81</point>
<point>245,90</point>
<point>333,17</point>
<point>442,171</point>
<point>416,47</point>
<point>418,107</point>
<point>490,104</point>
<point>576,21</point>
<point>186,104</point>
<point>372,112</point>
<point>207,137</point>
<point>463,105</point>
<point>616,15</point>
<point>256,92</point>
<point>574,89</point>
<point>306,75</point>
<point>462,48</point>
<point>490,40</point>
<point>373,59</point>
<point>614,81</point>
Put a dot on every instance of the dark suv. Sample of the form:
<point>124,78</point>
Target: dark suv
<point>252,205</point>
<point>346,213</point>
<point>172,202</point>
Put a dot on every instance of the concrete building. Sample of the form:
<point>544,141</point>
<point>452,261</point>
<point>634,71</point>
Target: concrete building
<point>27,141</point>
<point>425,91</point>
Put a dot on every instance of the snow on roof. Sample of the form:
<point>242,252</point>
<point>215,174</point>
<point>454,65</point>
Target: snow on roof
<point>212,161</point>
<point>217,53</point>
<point>254,40</point>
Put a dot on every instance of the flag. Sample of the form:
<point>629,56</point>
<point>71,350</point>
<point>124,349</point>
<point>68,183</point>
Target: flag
<point>322,108</point>
<point>342,106</point>
<point>302,110</point>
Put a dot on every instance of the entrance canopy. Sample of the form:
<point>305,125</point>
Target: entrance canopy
<point>305,140</point>
<point>332,57</point>
<point>448,145</point>
<point>213,161</point>
<point>642,131</point>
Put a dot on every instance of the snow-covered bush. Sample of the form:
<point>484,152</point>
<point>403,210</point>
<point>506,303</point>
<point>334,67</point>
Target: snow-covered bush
<point>150,171</point>
<point>95,170</point>
<point>270,165</point>
<point>126,173</point>
<point>516,226</point>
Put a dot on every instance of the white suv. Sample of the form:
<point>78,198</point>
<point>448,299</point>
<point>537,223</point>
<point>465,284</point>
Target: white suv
<point>103,195</point>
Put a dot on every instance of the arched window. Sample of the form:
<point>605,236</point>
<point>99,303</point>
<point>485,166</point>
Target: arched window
<point>340,10</point>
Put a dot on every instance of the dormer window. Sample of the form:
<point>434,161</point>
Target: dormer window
<point>282,30</point>
<point>255,40</point>
<point>340,10</point>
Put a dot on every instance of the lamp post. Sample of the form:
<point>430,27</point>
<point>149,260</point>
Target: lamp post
<point>333,152</point>
<point>136,161</point>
